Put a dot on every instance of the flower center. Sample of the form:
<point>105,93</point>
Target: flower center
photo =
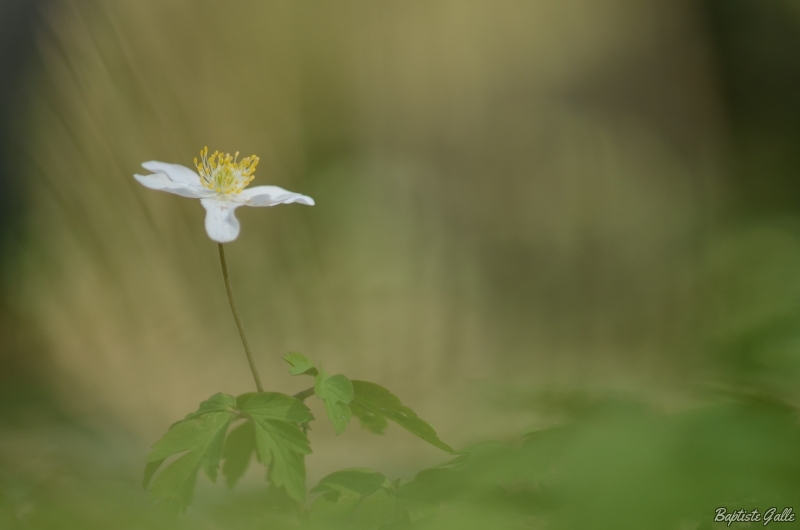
<point>223,174</point>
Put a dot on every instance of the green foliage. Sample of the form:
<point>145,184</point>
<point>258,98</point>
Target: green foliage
<point>271,426</point>
<point>337,392</point>
<point>359,480</point>
<point>364,499</point>
<point>372,401</point>
<point>618,464</point>
<point>372,421</point>
<point>239,448</point>
<point>300,365</point>
<point>280,443</point>
<point>623,465</point>
<point>614,464</point>
<point>199,436</point>
<point>199,442</point>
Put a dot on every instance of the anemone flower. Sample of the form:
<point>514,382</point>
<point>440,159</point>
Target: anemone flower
<point>221,185</point>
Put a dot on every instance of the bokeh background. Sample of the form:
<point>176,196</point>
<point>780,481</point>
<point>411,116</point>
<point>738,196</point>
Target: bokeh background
<point>524,209</point>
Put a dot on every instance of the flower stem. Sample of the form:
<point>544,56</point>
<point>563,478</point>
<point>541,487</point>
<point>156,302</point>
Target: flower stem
<point>237,319</point>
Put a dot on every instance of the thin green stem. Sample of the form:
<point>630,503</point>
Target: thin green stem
<point>303,394</point>
<point>237,319</point>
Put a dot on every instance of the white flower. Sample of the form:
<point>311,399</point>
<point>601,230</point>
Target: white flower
<point>220,186</point>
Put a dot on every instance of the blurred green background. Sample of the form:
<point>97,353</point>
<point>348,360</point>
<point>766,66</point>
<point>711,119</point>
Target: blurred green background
<point>529,214</point>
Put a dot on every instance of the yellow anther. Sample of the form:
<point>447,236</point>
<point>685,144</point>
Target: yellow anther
<point>223,174</point>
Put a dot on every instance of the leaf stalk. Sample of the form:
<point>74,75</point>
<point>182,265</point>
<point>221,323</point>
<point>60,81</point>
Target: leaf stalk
<point>303,394</point>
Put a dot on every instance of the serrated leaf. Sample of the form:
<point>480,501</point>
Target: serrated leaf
<point>277,406</point>
<point>200,436</point>
<point>372,421</point>
<point>280,444</point>
<point>339,414</point>
<point>213,454</point>
<point>149,470</point>
<point>239,447</point>
<point>219,402</point>
<point>379,401</point>
<point>194,433</point>
<point>174,486</point>
<point>281,447</point>
<point>360,480</point>
<point>336,387</point>
<point>337,392</point>
<point>300,364</point>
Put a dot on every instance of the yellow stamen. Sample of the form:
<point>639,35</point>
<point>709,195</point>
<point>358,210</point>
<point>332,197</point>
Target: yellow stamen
<point>223,174</point>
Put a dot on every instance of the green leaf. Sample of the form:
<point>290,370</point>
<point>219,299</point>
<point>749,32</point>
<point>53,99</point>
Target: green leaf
<point>200,435</point>
<point>281,448</point>
<point>300,364</point>
<point>336,391</point>
<point>214,453</point>
<point>371,400</point>
<point>149,470</point>
<point>339,413</point>
<point>186,435</point>
<point>174,486</point>
<point>360,480</point>
<point>244,398</point>
<point>219,402</point>
<point>277,406</point>
<point>334,506</point>
<point>372,421</point>
<point>375,510</point>
<point>336,387</point>
<point>351,493</point>
<point>239,447</point>
<point>432,485</point>
<point>280,444</point>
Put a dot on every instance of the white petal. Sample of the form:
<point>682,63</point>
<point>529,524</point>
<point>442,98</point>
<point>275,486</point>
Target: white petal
<point>221,224</point>
<point>270,196</point>
<point>162,182</point>
<point>175,172</point>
